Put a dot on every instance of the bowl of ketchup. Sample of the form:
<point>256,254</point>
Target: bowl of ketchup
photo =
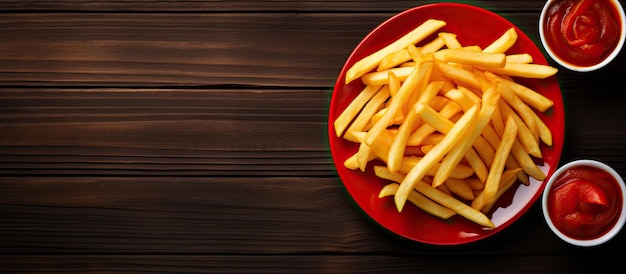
<point>582,35</point>
<point>583,203</point>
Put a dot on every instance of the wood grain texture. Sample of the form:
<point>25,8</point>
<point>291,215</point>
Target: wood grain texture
<point>190,137</point>
<point>218,215</point>
<point>192,50</point>
<point>254,6</point>
<point>309,264</point>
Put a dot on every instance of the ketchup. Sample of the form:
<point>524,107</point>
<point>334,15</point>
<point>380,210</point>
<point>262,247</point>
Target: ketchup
<point>585,202</point>
<point>582,32</point>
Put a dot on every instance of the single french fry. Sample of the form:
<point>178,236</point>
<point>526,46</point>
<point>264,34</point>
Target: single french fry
<point>394,83</point>
<point>545,134</point>
<point>535,71</point>
<point>461,188</point>
<point>415,36</point>
<point>417,199</point>
<point>364,117</point>
<point>425,130</point>
<point>396,151</point>
<point>473,95</point>
<point>434,156</point>
<point>433,118</point>
<point>497,121</point>
<point>458,75</point>
<point>450,40</point>
<point>508,178</point>
<point>475,183</point>
<point>467,57</point>
<point>433,46</point>
<point>450,202</point>
<point>394,59</point>
<point>415,54</point>
<point>522,58</point>
<point>351,163</point>
<point>344,119</point>
<point>460,98</point>
<point>433,139</point>
<point>503,43</point>
<point>490,135</point>
<point>379,78</point>
<point>497,167</point>
<point>363,156</point>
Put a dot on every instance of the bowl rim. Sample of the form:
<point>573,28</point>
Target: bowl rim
<point>606,61</point>
<point>588,242</point>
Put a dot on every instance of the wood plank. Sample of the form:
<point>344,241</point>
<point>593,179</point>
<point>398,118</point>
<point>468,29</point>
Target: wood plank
<point>273,6</point>
<point>195,132</point>
<point>326,263</point>
<point>173,49</point>
<point>218,215</point>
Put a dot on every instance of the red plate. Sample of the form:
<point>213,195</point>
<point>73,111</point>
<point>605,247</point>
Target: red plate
<point>473,26</point>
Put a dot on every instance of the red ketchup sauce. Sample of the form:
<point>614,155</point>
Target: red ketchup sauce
<point>585,202</point>
<point>582,32</point>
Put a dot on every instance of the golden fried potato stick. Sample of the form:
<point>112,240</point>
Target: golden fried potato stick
<point>418,172</point>
<point>450,40</point>
<point>379,78</point>
<point>461,188</point>
<point>394,83</point>
<point>433,46</point>
<point>361,121</point>
<point>467,57</point>
<point>497,167</point>
<point>535,71</point>
<point>545,134</point>
<point>416,198</point>
<point>394,59</point>
<point>396,151</point>
<point>503,43</point>
<point>344,119</point>
<point>458,75</point>
<point>419,135</point>
<point>489,133</point>
<point>415,36</point>
<point>450,202</point>
<point>522,58</point>
<point>528,95</point>
<point>509,177</point>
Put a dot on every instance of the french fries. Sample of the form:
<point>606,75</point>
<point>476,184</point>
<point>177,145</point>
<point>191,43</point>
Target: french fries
<point>451,127</point>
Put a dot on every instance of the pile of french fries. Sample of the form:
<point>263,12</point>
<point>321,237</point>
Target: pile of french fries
<point>451,126</point>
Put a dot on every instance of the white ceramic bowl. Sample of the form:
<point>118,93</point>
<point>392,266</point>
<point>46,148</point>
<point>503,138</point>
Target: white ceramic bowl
<point>612,232</point>
<point>543,33</point>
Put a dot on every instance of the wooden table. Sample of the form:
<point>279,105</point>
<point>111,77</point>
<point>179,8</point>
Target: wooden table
<point>190,137</point>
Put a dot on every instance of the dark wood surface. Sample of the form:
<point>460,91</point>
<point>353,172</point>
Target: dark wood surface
<point>190,137</point>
